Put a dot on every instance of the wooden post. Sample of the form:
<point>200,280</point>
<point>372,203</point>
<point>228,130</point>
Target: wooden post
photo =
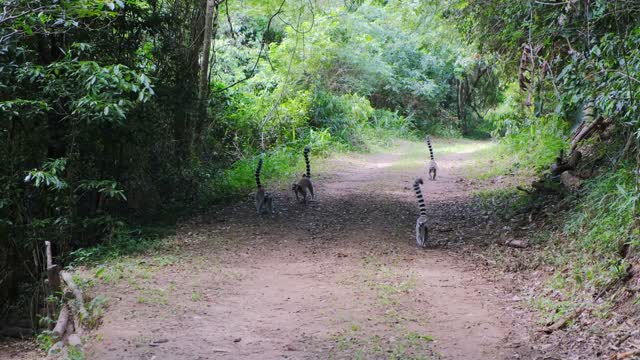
<point>53,271</point>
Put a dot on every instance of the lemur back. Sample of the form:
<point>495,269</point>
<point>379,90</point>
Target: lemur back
<point>304,185</point>
<point>422,231</point>
<point>433,166</point>
<point>264,200</point>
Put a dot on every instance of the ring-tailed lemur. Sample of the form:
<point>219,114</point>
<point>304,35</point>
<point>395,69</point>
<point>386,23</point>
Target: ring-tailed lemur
<point>422,231</point>
<point>303,185</point>
<point>264,200</point>
<point>433,166</point>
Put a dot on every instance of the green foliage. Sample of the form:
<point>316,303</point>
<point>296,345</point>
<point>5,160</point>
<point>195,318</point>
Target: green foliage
<point>49,175</point>
<point>344,60</point>
<point>107,187</point>
<point>280,164</point>
<point>508,116</point>
<point>504,202</point>
<point>593,257</point>
<point>586,52</point>
<point>605,220</point>
<point>45,340</point>
<point>122,241</point>
<point>534,143</point>
<point>74,353</point>
<point>95,309</point>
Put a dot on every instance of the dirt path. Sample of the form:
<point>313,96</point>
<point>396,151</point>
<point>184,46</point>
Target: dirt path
<point>338,278</point>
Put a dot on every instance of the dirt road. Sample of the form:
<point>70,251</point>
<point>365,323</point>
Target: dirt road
<point>338,278</point>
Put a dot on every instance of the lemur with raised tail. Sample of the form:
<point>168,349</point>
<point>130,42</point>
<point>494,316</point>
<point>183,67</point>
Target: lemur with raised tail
<point>422,231</point>
<point>304,185</point>
<point>264,200</point>
<point>433,166</point>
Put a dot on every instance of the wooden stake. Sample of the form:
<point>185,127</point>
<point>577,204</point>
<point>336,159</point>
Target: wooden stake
<point>53,271</point>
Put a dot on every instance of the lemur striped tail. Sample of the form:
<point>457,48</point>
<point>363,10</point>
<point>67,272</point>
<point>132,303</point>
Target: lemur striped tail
<point>258,173</point>
<point>430,148</point>
<point>306,160</point>
<point>416,188</point>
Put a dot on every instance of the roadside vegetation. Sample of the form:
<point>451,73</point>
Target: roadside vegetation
<point>570,84</point>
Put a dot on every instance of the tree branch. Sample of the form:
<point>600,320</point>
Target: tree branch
<point>226,9</point>
<point>255,65</point>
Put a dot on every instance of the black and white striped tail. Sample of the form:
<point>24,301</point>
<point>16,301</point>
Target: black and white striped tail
<point>421,205</point>
<point>307,149</point>
<point>430,148</point>
<point>258,173</point>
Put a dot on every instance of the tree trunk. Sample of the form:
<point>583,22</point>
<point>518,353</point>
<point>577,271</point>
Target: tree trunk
<point>212,7</point>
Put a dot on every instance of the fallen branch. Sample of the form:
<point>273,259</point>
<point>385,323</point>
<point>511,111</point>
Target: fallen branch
<point>562,322</point>
<point>61,324</point>
<point>68,279</point>
<point>584,131</point>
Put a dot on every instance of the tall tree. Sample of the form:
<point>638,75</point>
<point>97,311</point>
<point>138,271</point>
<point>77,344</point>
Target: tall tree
<point>210,21</point>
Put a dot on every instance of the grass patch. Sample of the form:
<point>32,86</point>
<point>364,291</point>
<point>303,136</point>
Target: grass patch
<point>123,241</point>
<point>492,161</point>
<point>525,150</point>
<point>504,203</point>
<point>196,296</point>
<point>379,139</point>
<point>598,232</point>
<point>279,165</point>
<point>388,282</point>
<point>359,344</point>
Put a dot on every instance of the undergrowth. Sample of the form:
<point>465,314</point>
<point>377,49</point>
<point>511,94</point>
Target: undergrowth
<point>590,244</point>
<point>593,249</point>
<point>527,146</point>
<point>593,252</point>
<point>123,241</point>
<point>601,232</point>
<point>282,165</point>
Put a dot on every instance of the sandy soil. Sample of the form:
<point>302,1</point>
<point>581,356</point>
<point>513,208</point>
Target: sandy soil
<point>337,278</point>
